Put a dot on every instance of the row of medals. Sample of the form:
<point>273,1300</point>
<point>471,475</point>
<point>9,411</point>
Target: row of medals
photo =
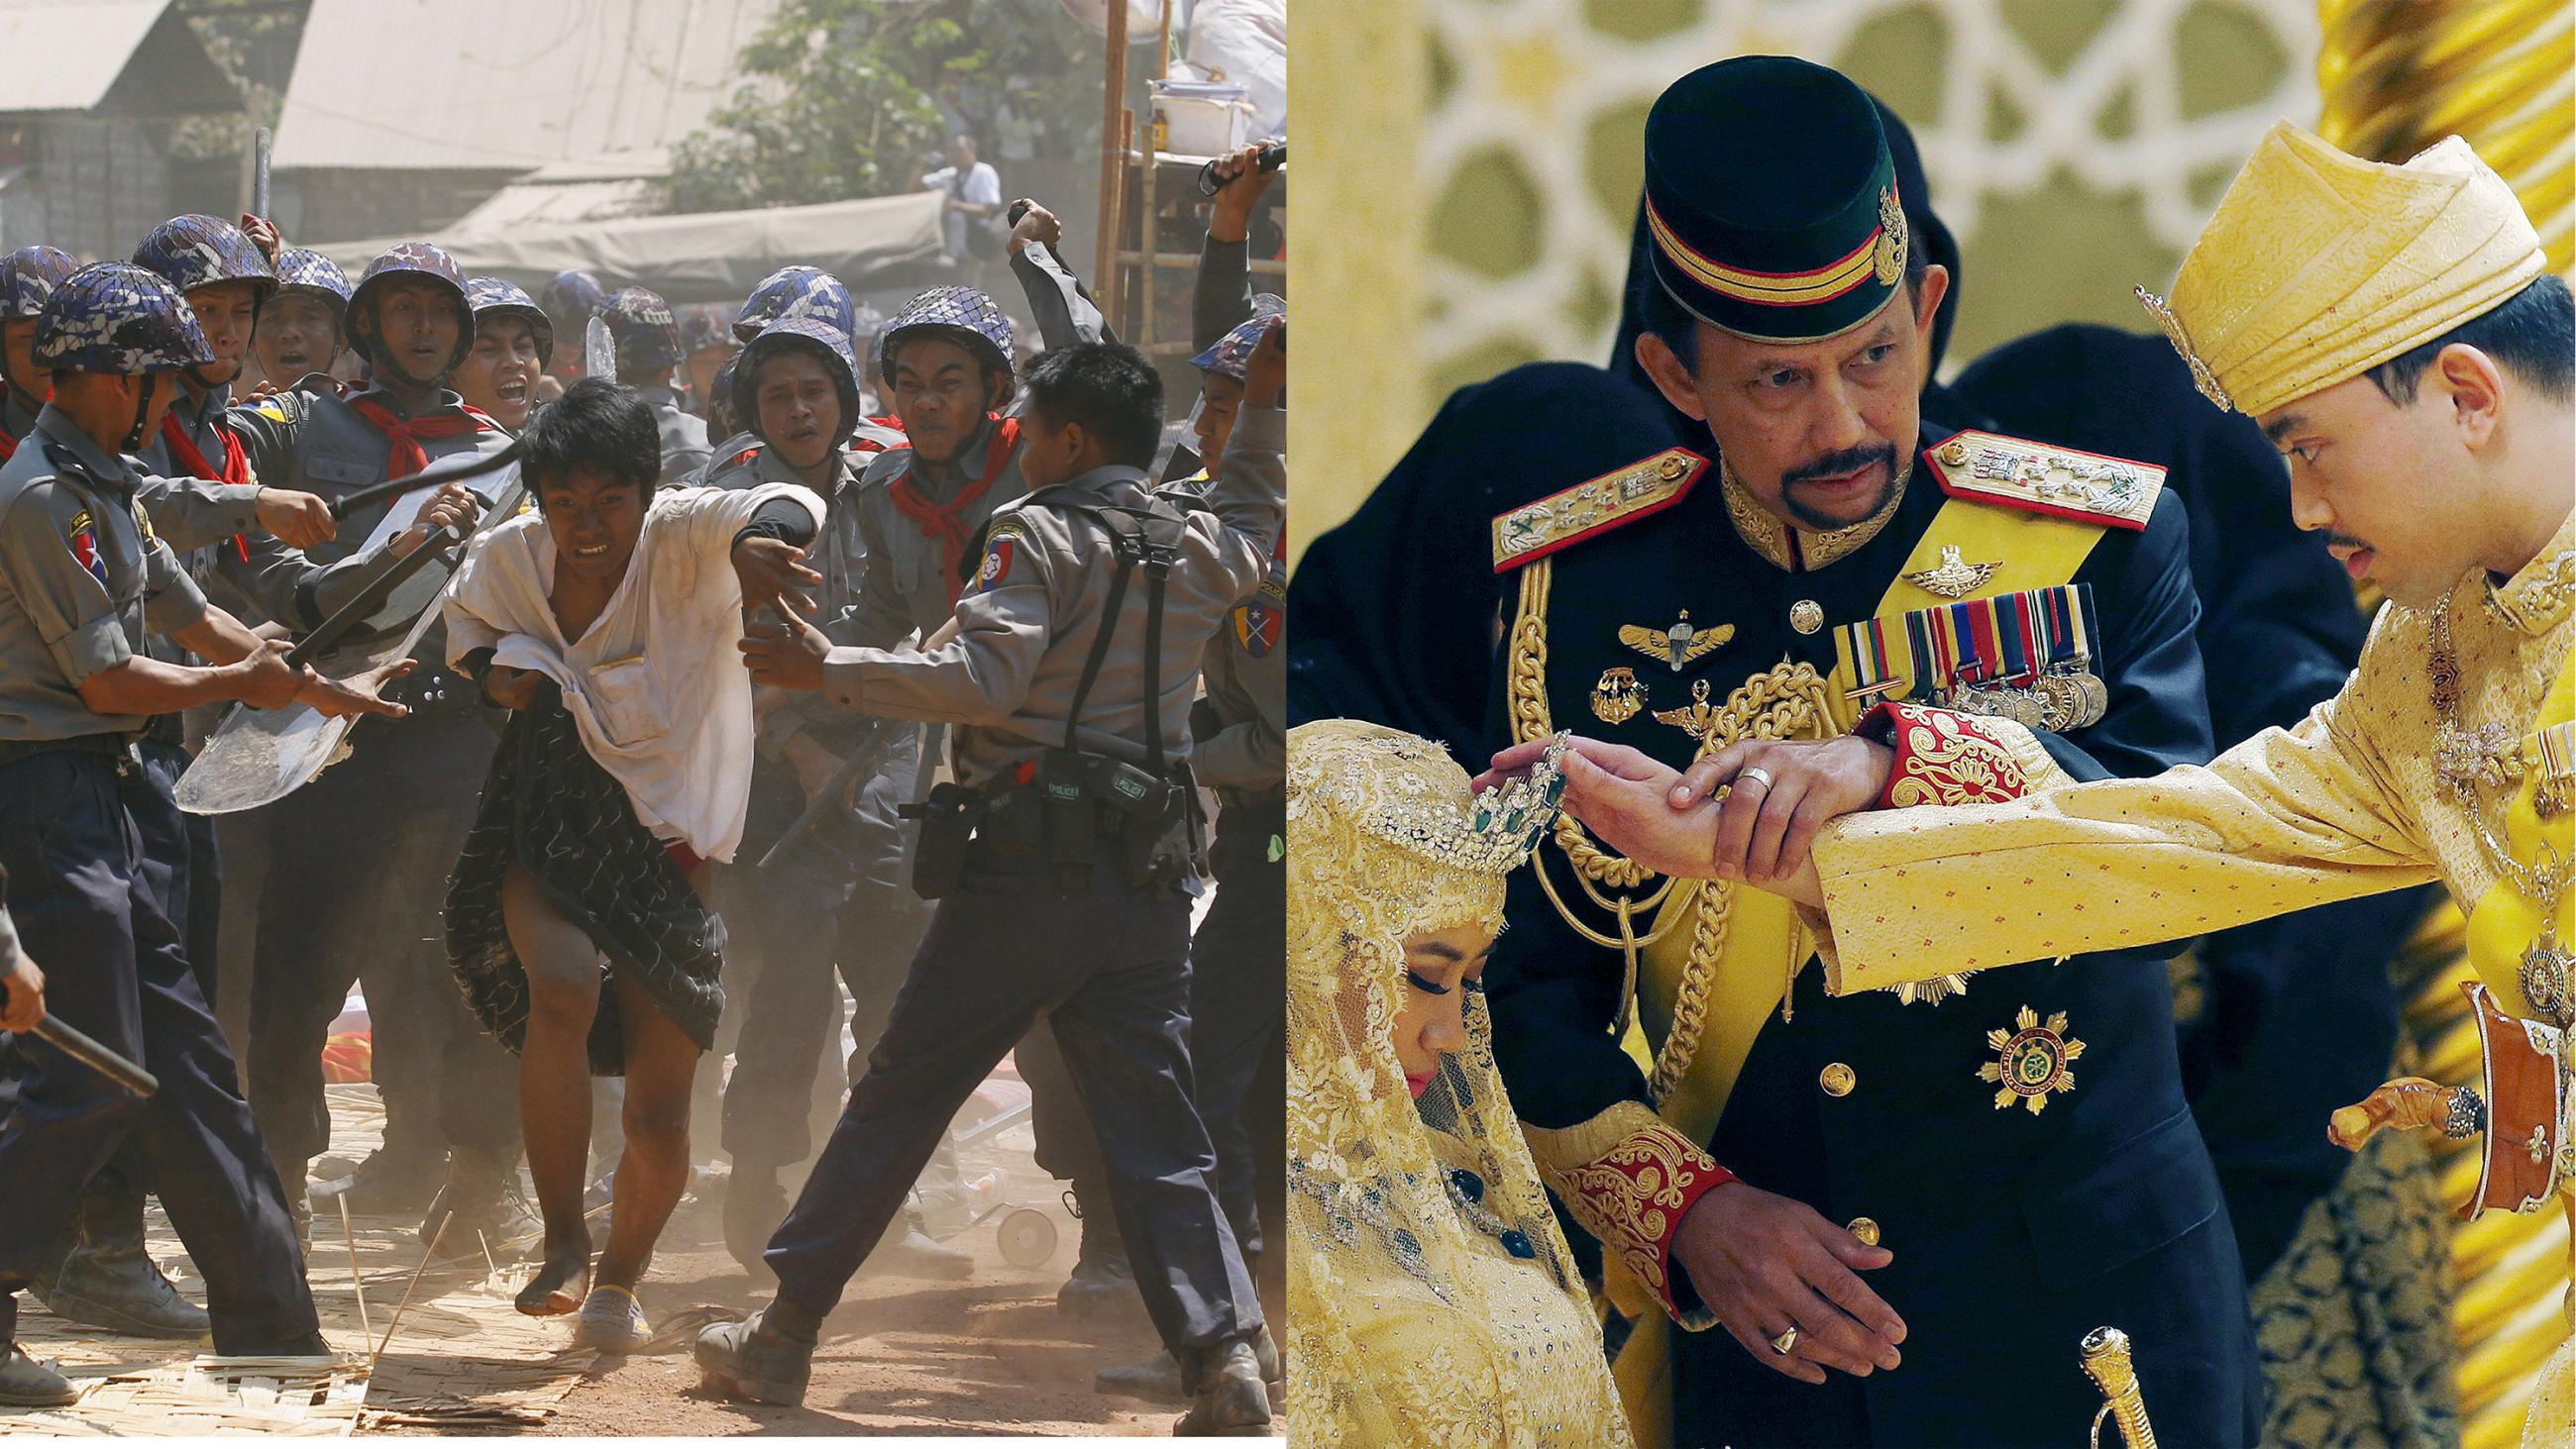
<point>2055,702</point>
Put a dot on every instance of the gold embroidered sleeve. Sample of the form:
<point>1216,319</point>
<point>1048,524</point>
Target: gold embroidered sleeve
<point>2286,820</point>
<point>1629,1179</point>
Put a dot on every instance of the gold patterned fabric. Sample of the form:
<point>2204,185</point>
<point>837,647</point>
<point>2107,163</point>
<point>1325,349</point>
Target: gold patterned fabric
<point>1422,1311</point>
<point>2347,804</point>
<point>2354,1333</point>
<point>2318,266</point>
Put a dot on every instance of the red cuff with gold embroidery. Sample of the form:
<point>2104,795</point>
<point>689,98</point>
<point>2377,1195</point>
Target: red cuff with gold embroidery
<point>1943,757</point>
<point>1633,1195</point>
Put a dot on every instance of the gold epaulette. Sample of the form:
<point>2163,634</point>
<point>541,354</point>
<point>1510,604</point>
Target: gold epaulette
<point>2044,478</point>
<point>1589,509</point>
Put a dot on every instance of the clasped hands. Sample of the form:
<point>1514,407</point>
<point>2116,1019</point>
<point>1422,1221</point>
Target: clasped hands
<point>1748,813</point>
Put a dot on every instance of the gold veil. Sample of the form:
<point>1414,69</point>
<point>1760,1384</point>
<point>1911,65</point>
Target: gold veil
<point>1431,1298</point>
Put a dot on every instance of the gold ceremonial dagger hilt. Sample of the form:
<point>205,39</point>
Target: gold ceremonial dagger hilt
<point>2106,1360</point>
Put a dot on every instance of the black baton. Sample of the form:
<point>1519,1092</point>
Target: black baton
<point>350,615</point>
<point>72,1043</point>
<point>475,467</point>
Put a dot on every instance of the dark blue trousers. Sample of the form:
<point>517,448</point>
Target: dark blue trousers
<point>1110,962</point>
<point>115,969</point>
<point>1238,997</point>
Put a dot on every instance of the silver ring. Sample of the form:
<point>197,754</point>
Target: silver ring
<point>1752,773</point>
<point>1785,1342</point>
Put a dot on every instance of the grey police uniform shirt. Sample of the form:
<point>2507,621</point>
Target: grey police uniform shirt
<point>321,444</point>
<point>82,580</point>
<point>907,584</point>
<point>685,451</point>
<point>17,415</point>
<point>189,513</point>
<point>1246,672</point>
<point>838,553</point>
<point>1009,677</point>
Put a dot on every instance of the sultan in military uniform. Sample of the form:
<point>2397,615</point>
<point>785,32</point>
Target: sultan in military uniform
<point>1691,1095</point>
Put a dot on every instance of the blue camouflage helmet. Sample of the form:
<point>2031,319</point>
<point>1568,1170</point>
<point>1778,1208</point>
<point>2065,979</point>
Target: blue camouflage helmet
<point>493,297</point>
<point>114,317</point>
<point>1232,354</point>
<point>302,269</point>
<point>797,292</point>
<point>793,334</point>
<point>647,335</point>
<point>196,250</point>
<point>704,325</point>
<point>961,315</point>
<point>28,276</point>
<point>411,261</point>
<point>721,423</point>
<point>572,299</point>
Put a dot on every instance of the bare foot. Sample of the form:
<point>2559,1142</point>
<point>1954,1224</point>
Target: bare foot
<point>561,1281</point>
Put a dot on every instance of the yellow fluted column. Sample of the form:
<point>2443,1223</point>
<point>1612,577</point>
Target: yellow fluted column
<point>2399,75</point>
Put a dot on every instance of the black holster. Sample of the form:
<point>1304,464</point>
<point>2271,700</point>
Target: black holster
<point>948,820</point>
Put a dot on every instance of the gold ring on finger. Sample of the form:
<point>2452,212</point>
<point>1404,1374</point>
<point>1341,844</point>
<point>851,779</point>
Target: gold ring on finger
<point>1785,1342</point>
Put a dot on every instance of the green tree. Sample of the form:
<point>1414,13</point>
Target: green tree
<point>844,98</point>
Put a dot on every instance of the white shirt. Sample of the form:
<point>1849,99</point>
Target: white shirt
<point>982,185</point>
<point>655,685</point>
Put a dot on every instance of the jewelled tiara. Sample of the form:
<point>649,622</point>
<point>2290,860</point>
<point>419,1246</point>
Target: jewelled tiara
<point>1493,834</point>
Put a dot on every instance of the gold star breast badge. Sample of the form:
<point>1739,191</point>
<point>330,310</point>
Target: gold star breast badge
<point>1955,578</point>
<point>1679,646</point>
<point>2032,1060</point>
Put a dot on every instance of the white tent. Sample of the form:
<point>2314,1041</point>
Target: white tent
<point>716,256</point>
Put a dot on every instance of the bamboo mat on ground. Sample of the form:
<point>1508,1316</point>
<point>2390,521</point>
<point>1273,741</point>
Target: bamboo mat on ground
<point>464,1357</point>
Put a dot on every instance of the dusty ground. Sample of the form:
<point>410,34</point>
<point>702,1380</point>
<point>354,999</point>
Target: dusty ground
<point>988,1356</point>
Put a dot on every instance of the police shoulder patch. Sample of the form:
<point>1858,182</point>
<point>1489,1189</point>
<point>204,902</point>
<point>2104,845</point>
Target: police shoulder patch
<point>2045,478</point>
<point>1594,507</point>
<point>1004,542</point>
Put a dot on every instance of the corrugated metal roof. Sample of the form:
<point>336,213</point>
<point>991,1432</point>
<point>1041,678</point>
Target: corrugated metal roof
<point>504,84</point>
<point>63,57</point>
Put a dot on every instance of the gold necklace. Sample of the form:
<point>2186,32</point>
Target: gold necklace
<point>2465,760</point>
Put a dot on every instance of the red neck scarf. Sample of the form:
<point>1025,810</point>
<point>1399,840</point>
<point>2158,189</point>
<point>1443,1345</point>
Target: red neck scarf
<point>191,460</point>
<point>945,522</point>
<point>404,455</point>
<point>8,447</point>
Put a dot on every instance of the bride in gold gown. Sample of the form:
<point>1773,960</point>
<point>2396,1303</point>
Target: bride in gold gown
<point>1431,1298</point>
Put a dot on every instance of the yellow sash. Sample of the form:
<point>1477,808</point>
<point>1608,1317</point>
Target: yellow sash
<point>2505,921</point>
<point>1757,940</point>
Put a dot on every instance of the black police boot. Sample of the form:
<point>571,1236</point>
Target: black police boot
<point>107,1280</point>
<point>482,1209</point>
<point>1158,1379</point>
<point>1229,1399</point>
<point>26,1383</point>
<point>754,1206</point>
<point>383,1185</point>
<point>752,1361</point>
<point>1102,1283</point>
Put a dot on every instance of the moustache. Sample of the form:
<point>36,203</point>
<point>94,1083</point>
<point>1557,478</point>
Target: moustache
<point>1849,460</point>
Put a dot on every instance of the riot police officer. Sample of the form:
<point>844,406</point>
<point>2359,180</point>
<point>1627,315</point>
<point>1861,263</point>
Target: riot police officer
<point>648,352</point>
<point>82,579</point>
<point>1058,857</point>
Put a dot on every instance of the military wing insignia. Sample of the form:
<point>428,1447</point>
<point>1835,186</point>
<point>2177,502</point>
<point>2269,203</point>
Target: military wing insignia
<point>2044,478</point>
<point>1649,485</point>
<point>1696,719</point>
<point>1955,578</point>
<point>1679,646</point>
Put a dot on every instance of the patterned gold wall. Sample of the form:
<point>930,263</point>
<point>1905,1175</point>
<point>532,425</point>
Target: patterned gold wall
<point>2073,145</point>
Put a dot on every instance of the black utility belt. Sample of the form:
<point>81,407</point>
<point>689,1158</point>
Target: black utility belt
<point>118,747</point>
<point>1073,809</point>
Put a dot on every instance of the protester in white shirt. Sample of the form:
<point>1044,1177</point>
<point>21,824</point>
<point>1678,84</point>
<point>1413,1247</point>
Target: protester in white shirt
<point>971,222</point>
<point>606,620</point>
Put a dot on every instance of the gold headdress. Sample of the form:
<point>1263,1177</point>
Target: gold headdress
<point>2318,266</point>
<point>1431,1298</point>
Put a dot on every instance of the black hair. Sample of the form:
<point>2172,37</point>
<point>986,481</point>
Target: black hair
<point>1669,320</point>
<point>2531,334</point>
<point>597,425</point>
<point>1107,387</point>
